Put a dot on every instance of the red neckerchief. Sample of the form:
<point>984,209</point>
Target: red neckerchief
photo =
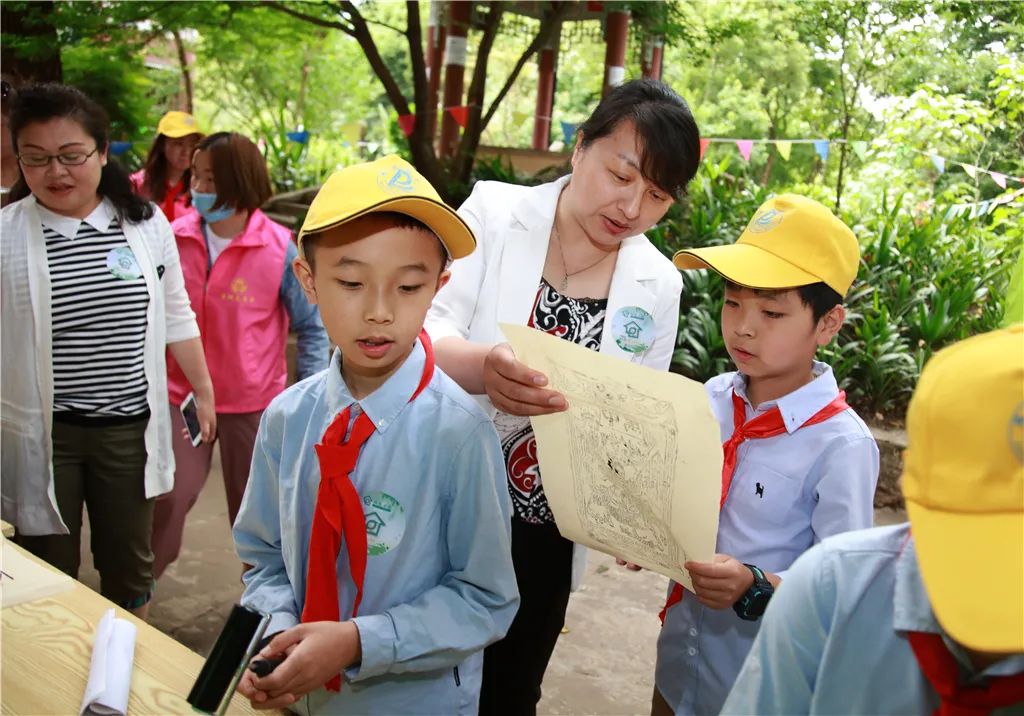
<point>339,513</point>
<point>767,425</point>
<point>940,669</point>
<point>171,194</point>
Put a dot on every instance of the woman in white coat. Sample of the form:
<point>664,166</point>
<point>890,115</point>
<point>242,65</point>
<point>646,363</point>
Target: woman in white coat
<point>569,258</point>
<point>92,296</point>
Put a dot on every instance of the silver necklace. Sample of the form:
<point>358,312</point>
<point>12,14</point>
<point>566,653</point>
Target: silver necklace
<point>566,275</point>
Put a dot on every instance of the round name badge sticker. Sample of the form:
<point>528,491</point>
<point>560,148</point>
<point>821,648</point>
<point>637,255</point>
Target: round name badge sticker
<point>633,329</point>
<point>385,522</point>
<point>121,262</point>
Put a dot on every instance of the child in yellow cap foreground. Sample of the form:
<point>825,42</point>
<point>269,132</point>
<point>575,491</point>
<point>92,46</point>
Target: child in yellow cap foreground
<point>800,465</point>
<point>926,617</point>
<point>376,512</point>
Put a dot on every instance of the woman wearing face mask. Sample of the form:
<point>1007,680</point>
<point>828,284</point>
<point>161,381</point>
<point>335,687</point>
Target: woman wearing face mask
<point>92,300</point>
<point>165,177</point>
<point>568,258</point>
<point>238,272</point>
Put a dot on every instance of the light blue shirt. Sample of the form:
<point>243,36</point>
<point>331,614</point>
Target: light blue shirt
<point>833,640</point>
<point>439,580</point>
<point>311,346</point>
<point>788,492</point>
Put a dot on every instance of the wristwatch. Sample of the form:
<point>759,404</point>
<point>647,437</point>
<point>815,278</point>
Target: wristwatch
<point>755,600</point>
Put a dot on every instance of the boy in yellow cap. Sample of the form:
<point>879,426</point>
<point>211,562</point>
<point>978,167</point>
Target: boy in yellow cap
<point>925,617</point>
<point>800,465</point>
<point>376,521</point>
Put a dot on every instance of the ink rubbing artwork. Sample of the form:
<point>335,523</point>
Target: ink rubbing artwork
<point>628,500</point>
<point>634,466</point>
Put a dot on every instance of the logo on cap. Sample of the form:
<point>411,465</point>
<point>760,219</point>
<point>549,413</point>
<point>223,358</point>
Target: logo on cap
<point>396,180</point>
<point>1015,432</point>
<point>765,220</point>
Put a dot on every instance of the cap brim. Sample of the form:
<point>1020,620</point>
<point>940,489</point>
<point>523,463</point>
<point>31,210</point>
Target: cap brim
<point>745,265</point>
<point>180,132</point>
<point>972,566</point>
<point>441,219</point>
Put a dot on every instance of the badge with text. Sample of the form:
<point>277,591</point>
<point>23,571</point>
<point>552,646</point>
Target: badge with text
<point>385,522</point>
<point>633,328</point>
<point>121,262</point>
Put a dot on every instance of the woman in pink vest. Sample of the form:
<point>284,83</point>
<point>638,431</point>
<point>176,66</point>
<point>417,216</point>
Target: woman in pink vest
<point>238,272</point>
<point>165,177</point>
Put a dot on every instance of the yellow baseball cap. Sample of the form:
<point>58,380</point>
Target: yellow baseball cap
<point>176,124</point>
<point>791,241</point>
<point>963,479</point>
<point>387,184</point>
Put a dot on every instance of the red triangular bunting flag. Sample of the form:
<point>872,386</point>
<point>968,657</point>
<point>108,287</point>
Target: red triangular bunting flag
<point>704,146</point>
<point>460,115</point>
<point>407,122</point>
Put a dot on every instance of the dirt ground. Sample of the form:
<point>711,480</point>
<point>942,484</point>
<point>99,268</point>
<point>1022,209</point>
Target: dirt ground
<point>603,664</point>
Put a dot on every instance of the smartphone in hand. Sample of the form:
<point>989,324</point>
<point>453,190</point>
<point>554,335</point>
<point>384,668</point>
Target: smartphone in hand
<point>190,412</point>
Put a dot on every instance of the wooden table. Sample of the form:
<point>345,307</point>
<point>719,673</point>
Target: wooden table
<point>46,647</point>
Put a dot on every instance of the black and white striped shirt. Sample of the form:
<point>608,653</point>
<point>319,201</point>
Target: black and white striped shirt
<point>98,305</point>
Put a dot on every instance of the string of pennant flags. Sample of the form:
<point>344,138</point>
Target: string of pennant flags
<point>351,134</point>
<point>981,208</point>
<point>822,147</point>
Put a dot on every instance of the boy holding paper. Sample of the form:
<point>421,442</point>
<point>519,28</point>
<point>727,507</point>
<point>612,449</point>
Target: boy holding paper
<point>924,617</point>
<point>800,465</point>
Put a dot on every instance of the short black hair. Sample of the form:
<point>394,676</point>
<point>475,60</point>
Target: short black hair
<point>668,133</point>
<point>821,297</point>
<point>398,221</point>
<point>42,102</point>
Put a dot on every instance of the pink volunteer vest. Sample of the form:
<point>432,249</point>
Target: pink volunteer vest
<point>242,321</point>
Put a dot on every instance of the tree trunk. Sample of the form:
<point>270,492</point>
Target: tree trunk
<point>186,74</point>
<point>466,153</point>
<point>462,164</point>
<point>30,50</point>
<point>842,166</point>
<point>772,134</point>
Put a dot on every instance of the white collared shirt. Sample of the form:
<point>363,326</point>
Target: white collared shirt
<point>67,226</point>
<point>788,493</point>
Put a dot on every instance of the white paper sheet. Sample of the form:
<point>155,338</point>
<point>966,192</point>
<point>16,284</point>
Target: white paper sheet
<point>634,467</point>
<point>110,673</point>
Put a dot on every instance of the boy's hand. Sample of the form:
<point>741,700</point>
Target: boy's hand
<point>517,389</point>
<point>721,582</point>
<point>316,652</point>
<point>260,699</point>
<point>628,565</point>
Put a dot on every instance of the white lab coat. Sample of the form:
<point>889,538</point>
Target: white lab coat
<point>29,502</point>
<point>498,282</point>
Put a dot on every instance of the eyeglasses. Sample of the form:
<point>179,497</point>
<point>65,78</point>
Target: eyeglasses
<point>68,159</point>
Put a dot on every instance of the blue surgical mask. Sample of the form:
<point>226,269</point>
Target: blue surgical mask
<point>203,203</point>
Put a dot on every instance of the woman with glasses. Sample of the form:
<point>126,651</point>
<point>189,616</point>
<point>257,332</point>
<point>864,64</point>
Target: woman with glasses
<point>166,176</point>
<point>91,297</point>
